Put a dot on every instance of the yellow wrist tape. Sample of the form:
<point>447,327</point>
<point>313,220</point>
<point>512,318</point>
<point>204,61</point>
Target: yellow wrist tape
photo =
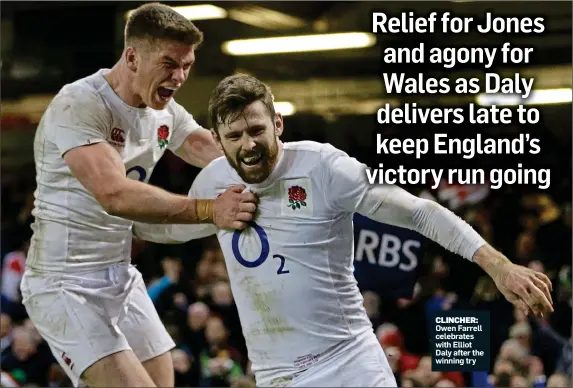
<point>204,209</point>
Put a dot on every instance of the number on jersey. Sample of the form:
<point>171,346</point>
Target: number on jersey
<point>281,269</point>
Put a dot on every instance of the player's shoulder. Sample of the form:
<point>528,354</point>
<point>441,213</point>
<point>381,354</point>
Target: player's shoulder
<point>83,91</point>
<point>305,146</point>
<point>216,165</point>
<point>81,99</point>
<point>175,108</point>
<point>217,171</point>
<point>312,150</point>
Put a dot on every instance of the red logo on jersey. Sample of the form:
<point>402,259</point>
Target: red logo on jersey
<point>162,135</point>
<point>296,197</point>
<point>117,137</point>
<point>67,360</point>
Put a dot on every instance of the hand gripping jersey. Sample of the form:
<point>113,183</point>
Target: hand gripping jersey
<point>72,232</point>
<point>291,271</point>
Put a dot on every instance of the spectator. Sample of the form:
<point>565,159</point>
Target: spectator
<point>182,365</point>
<point>27,360</point>
<point>222,303</point>
<point>12,271</point>
<point>558,381</point>
<point>444,383</point>
<point>390,337</point>
<point>518,381</point>
<point>521,332</point>
<point>5,331</point>
<point>502,380</point>
<point>220,363</point>
<point>372,307</point>
<point>194,339</point>
<point>556,349</point>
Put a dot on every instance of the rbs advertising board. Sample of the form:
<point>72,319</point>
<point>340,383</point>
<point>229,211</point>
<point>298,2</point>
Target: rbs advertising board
<point>387,259</point>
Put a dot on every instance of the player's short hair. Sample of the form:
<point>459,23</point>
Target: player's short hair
<point>156,21</point>
<point>233,94</point>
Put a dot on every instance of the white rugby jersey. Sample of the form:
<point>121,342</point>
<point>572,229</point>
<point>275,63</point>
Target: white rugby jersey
<point>291,272</point>
<point>72,232</point>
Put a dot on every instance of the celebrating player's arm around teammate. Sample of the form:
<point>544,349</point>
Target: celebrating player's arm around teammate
<point>291,270</point>
<point>95,149</point>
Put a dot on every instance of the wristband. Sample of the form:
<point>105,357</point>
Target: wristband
<point>204,210</point>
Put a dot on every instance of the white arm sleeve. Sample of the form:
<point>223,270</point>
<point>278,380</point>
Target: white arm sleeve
<point>173,233</point>
<point>348,190</point>
<point>395,206</point>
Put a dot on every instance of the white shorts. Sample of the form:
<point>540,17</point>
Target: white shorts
<point>360,363</point>
<point>87,317</point>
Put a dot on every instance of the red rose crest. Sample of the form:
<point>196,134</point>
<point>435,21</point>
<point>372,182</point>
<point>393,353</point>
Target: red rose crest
<point>296,197</point>
<point>162,135</point>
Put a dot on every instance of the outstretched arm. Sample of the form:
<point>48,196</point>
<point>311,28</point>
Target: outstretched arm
<point>525,288</point>
<point>395,206</point>
<point>348,190</point>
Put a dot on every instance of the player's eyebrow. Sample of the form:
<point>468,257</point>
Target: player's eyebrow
<point>255,127</point>
<point>233,133</point>
<point>167,58</point>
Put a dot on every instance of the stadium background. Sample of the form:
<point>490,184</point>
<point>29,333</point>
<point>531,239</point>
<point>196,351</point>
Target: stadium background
<point>329,96</point>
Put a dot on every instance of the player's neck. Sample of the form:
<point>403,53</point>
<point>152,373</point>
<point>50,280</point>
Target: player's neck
<point>279,153</point>
<point>120,80</point>
<point>277,160</point>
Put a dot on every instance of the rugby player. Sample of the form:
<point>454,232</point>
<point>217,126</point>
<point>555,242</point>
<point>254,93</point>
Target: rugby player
<point>95,149</point>
<point>291,270</point>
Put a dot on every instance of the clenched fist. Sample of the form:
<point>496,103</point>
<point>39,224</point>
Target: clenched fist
<point>234,208</point>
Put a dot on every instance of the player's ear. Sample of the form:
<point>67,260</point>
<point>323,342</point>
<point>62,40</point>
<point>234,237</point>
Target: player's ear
<point>217,139</point>
<point>279,125</point>
<point>131,59</point>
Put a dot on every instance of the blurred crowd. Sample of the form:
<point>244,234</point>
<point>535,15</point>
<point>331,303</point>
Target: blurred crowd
<point>190,288</point>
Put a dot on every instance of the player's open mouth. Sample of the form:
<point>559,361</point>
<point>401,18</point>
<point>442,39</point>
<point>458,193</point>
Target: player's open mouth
<point>165,93</point>
<point>252,160</point>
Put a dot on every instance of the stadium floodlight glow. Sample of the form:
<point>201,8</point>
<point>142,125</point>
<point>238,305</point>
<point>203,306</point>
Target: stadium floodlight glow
<point>198,12</point>
<point>285,108</point>
<point>299,43</point>
<point>537,97</point>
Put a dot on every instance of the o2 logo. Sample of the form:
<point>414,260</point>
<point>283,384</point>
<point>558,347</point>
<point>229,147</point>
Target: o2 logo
<point>140,171</point>
<point>265,250</point>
